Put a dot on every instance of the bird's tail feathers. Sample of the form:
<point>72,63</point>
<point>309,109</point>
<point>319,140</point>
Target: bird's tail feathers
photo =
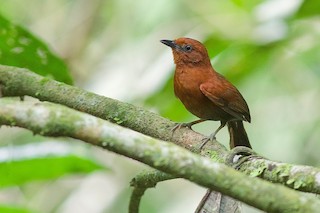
<point>238,135</point>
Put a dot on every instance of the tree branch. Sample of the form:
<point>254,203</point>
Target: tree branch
<point>57,120</point>
<point>20,82</point>
<point>141,183</point>
<point>215,202</point>
<point>135,199</point>
<point>303,178</point>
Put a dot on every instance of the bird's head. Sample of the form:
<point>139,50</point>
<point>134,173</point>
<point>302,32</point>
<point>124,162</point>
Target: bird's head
<point>187,51</point>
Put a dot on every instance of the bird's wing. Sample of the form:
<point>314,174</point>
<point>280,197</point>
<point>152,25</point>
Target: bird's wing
<point>228,98</point>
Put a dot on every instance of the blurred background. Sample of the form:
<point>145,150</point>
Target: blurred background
<point>269,49</point>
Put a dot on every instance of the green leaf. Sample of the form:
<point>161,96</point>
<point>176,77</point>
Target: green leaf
<point>309,8</point>
<point>13,209</point>
<point>20,48</point>
<point>22,164</point>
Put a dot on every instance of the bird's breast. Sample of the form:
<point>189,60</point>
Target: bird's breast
<point>187,89</point>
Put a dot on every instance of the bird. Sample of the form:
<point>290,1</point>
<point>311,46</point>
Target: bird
<point>206,93</point>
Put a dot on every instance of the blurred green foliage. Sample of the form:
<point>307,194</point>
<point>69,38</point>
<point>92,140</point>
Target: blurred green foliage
<point>13,209</point>
<point>308,8</point>
<point>168,107</point>
<point>20,48</point>
<point>22,171</point>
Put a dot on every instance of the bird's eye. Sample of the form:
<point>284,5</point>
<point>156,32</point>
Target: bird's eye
<point>188,48</point>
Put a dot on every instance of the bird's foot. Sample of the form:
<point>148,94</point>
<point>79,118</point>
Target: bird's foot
<point>180,125</point>
<point>240,154</point>
<point>177,126</point>
<point>205,140</point>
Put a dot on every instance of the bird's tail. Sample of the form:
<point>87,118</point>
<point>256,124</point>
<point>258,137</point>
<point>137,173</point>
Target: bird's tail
<point>238,135</point>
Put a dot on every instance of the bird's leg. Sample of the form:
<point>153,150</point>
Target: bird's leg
<point>187,125</point>
<point>212,137</point>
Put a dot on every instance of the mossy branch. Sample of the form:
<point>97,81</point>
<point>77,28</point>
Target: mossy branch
<point>213,201</point>
<point>141,183</point>
<point>58,120</point>
<point>22,82</point>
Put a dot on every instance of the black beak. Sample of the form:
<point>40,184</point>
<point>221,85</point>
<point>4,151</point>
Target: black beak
<point>169,43</point>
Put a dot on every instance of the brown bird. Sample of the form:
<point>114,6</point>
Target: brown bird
<point>206,93</point>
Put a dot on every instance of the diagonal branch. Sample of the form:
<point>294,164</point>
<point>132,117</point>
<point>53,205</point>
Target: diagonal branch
<point>20,82</point>
<point>303,178</point>
<point>58,120</point>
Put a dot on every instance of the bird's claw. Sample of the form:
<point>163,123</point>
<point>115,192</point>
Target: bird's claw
<point>240,154</point>
<point>180,125</point>
<point>205,140</point>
